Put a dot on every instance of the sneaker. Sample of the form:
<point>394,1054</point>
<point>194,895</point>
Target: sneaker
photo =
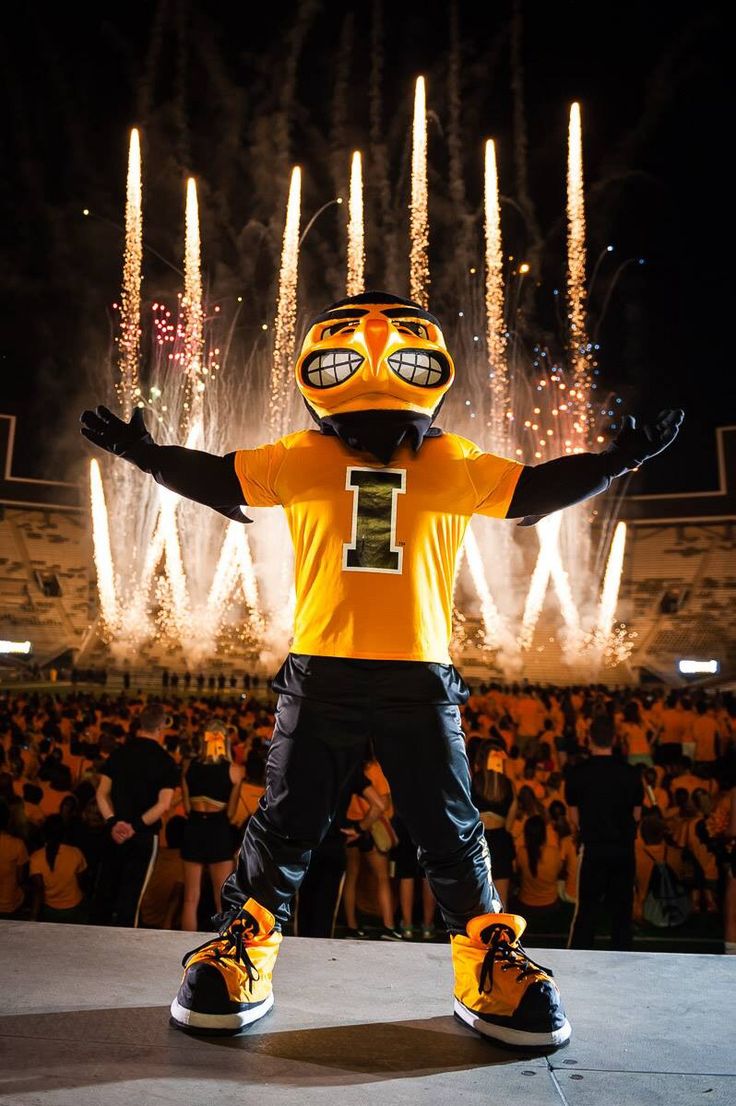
<point>407,933</point>
<point>356,934</point>
<point>500,992</point>
<point>227,980</point>
<point>428,933</point>
<point>392,934</point>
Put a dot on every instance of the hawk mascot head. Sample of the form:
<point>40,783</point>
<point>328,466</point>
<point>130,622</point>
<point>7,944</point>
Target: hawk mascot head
<point>374,370</point>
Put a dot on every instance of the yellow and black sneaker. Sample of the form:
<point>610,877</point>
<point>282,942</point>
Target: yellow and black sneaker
<point>227,981</point>
<point>500,992</point>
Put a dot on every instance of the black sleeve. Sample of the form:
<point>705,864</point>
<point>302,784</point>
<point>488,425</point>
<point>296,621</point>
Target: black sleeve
<point>171,775</point>
<point>549,487</point>
<point>571,791</point>
<point>194,474</point>
<point>109,766</point>
<point>638,790</point>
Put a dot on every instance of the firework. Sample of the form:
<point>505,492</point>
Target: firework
<point>191,322</point>
<point>356,239</point>
<point>495,320</point>
<point>576,297</point>
<point>419,225</point>
<point>102,551</point>
<point>129,343</point>
<point>283,346</point>
<point>497,634</point>
<point>611,585</point>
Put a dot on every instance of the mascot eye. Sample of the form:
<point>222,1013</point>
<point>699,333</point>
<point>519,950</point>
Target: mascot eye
<point>420,367</point>
<point>329,367</point>
<point>338,328</point>
<point>419,330</point>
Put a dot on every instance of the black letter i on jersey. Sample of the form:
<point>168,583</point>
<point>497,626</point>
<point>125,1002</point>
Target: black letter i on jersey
<point>373,545</point>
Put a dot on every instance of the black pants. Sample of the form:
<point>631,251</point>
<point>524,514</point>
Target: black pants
<point>316,747</point>
<point>605,875</point>
<point>124,872</point>
<point>319,894</point>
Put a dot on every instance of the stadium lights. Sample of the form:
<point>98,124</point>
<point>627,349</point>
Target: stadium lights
<point>15,647</point>
<point>698,668</point>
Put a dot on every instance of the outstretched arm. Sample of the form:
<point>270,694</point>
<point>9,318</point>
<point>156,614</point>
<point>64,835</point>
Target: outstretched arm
<point>200,476</point>
<point>545,488</point>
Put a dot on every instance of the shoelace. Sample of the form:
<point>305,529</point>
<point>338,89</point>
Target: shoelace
<point>504,951</point>
<point>232,943</point>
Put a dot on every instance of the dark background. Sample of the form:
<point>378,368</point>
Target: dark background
<point>236,94</point>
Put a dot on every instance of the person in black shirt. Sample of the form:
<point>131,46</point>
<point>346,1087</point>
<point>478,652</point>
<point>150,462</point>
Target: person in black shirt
<point>135,789</point>
<point>604,796</point>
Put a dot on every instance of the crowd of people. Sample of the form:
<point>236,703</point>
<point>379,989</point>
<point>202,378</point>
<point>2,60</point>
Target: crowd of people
<point>129,810</point>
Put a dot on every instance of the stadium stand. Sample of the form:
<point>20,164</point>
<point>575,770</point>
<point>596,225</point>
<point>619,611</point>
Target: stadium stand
<point>678,588</point>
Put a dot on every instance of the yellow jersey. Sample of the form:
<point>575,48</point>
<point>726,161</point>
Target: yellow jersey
<point>376,547</point>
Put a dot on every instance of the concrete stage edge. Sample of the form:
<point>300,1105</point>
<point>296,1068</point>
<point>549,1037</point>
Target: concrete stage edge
<point>84,1022</point>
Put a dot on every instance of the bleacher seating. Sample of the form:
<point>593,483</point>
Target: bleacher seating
<point>38,544</point>
<point>694,563</point>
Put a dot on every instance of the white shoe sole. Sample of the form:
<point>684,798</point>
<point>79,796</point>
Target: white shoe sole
<point>224,1023</point>
<point>518,1038</point>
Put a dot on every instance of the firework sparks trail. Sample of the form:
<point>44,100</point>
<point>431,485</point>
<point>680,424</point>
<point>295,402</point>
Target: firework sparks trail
<point>165,544</point>
<point>419,225</point>
<point>549,566</point>
<point>568,606</point>
<point>611,585</point>
<point>129,343</point>
<point>283,346</point>
<point>102,551</point>
<point>234,566</point>
<point>539,581</point>
<point>576,296</point>
<point>356,236</point>
<point>495,322</point>
<point>497,634</point>
<point>180,613</point>
<point>192,311</point>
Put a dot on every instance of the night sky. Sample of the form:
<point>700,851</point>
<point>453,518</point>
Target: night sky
<point>236,99</point>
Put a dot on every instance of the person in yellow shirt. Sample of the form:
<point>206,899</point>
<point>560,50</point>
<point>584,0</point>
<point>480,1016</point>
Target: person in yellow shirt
<point>32,796</point>
<point>705,736</point>
<point>162,899</point>
<point>567,888</point>
<point>251,789</point>
<point>378,501</point>
<point>701,850</point>
<point>55,871</point>
<point>686,779</point>
<point>673,729</point>
<point>367,806</point>
<point>655,797</point>
<point>633,736</point>
<point>13,861</point>
<point>539,863</point>
<point>652,847</point>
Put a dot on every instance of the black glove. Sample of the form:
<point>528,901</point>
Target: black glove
<point>125,439</point>
<point>635,445</point>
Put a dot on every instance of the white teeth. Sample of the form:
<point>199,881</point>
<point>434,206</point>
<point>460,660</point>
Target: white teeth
<point>332,367</point>
<point>417,367</point>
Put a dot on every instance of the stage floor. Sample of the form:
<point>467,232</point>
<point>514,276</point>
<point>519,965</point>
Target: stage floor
<point>84,1022</point>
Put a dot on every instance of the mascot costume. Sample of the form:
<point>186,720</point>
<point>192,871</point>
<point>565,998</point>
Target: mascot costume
<point>377,501</point>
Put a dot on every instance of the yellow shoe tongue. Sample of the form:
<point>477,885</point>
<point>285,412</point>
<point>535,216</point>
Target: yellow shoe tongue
<point>477,927</point>
<point>264,918</point>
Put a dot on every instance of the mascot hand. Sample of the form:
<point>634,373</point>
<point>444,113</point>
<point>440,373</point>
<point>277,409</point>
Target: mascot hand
<point>107,431</point>
<point>635,445</point>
